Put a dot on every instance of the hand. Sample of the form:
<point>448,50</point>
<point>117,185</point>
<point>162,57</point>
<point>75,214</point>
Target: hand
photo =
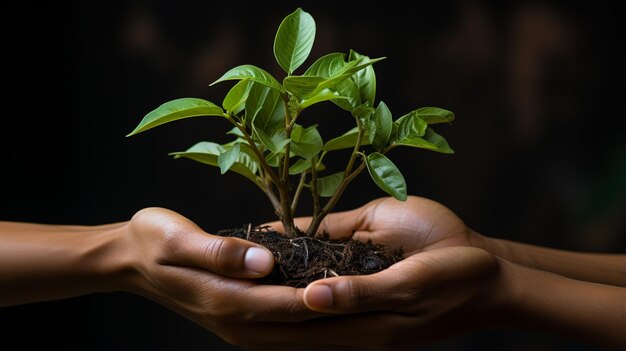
<point>443,287</point>
<point>416,225</point>
<point>170,260</point>
<point>427,296</point>
<point>158,254</point>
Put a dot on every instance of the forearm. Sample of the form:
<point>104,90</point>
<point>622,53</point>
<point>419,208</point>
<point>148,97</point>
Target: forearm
<point>599,268</point>
<point>552,303</point>
<point>45,262</point>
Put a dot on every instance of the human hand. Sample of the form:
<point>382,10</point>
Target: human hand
<point>415,225</point>
<point>443,286</point>
<point>167,258</point>
<point>427,296</point>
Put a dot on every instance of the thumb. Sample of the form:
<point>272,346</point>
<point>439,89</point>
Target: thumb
<point>183,243</point>
<point>231,257</point>
<point>353,294</point>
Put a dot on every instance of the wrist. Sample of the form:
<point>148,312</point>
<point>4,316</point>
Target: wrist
<point>107,260</point>
<point>497,247</point>
<point>48,262</point>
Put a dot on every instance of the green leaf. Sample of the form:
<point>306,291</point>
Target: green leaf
<point>306,142</point>
<point>327,186</point>
<point>246,155</point>
<point>386,175</point>
<point>410,126</point>
<point>236,132</point>
<point>430,141</point>
<point>382,121</point>
<point>350,91</point>
<point>265,108</point>
<point>438,141</point>
<point>294,40</point>
<point>175,110</point>
<point>299,166</point>
<point>273,159</point>
<point>365,79</point>
<point>332,82</point>
<point>345,141</point>
<point>236,97</point>
<point>351,88</point>
<point>252,73</point>
<point>227,158</point>
<point>434,115</point>
<point>323,95</point>
<point>327,66</point>
<point>274,142</point>
<point>358,64</point>
<point>208,153</point>
<point>302,86</point>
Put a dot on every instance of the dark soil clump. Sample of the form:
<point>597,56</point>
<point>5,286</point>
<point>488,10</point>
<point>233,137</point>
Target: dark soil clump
<point>302,260</point>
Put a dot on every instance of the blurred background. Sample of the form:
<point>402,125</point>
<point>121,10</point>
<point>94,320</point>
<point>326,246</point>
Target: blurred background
<point>536,87</point>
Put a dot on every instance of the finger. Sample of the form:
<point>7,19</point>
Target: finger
<point>387,290</point>
<point>398,287</point>
<point>185,244</point>
<point>231,257</point>
<point>235,300</point>
<point>337,224</point>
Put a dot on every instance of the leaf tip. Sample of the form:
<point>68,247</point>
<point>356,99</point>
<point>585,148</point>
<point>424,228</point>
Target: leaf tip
<point>134,132</point>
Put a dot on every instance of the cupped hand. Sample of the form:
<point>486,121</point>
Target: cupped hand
<point>428,296</point>
<point>415,225</point>
<point>206,278</point>
<point>443,287</point>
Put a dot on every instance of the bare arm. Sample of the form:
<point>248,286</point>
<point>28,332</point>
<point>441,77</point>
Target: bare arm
<point>591,312</point>
<point>454,280</point>
<point>44,262</point>
<point>160,255</point>
<point>592,267</point>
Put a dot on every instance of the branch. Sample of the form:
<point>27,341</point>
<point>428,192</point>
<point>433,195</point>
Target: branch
<point>317,219</point>
<point>255,149</point>
<point>296,195</point>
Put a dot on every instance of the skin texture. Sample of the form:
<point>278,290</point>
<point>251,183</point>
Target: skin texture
<point>454,280</point>
<point>158,254</point>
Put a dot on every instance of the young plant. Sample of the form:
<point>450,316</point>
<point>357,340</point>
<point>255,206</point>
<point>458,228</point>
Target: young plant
<point>273,144</point>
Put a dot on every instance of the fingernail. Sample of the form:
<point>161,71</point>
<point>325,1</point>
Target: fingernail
<point>258,260</point>
<point>318,297</point>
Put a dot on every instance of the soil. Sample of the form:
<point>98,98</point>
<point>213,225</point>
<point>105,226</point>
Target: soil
<point>302,260</point>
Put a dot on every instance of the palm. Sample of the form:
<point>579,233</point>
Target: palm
<point>416,225</point>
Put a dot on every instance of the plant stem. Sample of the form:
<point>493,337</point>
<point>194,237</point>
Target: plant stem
<point>357,147</point>
<point>296,195</point>
<point>317,219</point>
<point>315,193</point>
<point>268,170</point>
<point>264,172</point>
<point>348,175</point>
<point>284,183</point>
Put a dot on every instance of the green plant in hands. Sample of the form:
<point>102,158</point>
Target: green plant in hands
<point>273,145</point>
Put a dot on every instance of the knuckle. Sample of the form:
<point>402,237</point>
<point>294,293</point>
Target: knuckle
<point>356,293</point>
<point>171,235</point>
<point>213,251</point>
<point>222,253</point>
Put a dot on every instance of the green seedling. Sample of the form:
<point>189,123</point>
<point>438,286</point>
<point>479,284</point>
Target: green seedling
<point>274,146</point>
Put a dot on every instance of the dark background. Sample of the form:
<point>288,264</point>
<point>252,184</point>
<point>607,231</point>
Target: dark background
<point>537,88</point>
